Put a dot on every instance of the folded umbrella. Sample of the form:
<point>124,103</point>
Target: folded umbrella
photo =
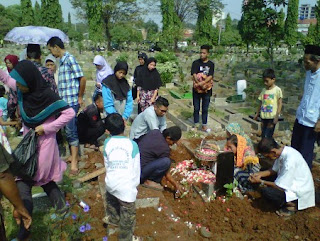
<point>34,35</point>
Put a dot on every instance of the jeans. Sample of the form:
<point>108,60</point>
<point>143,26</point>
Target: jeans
<point>155,170</point>
<point>71,129</point>
<point>205,97</point>
<point>267,127</point>
<point>122,213</point>
<point>303,139</point>
<point>53,192</point>
<point>276,196</point>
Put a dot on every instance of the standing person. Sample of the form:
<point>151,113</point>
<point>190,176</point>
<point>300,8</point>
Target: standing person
<point>155,157</point>
<point>9,189</point>
<point>270,104</point>
<point>122,162</point>
<point>51,63</point>
<point>11,61</point>
<point>34,55</point>
<point>90,124</point>
<point>142,57</point>
<point>307,123</point>
<point>116,92</point>
<point>152,118</point>
<point>71,87</point>
<point>293,188</point>
<point>102,72</point>
<point>148,83</point>
<point>39,106</point>
<point>3,103</point>
<point>202,71</point>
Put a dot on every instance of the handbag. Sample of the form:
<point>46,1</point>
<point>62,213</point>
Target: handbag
<point>25,157</point>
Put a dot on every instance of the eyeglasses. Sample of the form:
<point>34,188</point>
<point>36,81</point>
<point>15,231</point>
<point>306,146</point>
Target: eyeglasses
<point>163,111</point>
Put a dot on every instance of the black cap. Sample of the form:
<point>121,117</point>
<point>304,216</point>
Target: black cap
<point>312,49</point>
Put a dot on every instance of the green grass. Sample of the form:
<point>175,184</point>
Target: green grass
<point>246,111</point>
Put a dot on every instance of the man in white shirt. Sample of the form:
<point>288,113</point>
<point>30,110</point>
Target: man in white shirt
<point>293,188</point>
<point>150,119</point>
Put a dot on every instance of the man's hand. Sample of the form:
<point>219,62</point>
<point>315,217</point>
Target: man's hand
<point>275,120</point>
<point>256,116</point>
<point>317,127</point>
<point>80,101</point>
<point>179,188</point>
<point>39,130</point>
<point>255,178</point>
<point>152,100</point>
<point>22,213</point>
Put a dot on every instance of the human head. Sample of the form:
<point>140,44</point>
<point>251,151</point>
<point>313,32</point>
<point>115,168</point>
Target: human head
<point>56,46</point>
<point>99,62</point>
<point>121,70</point>
<point>234,128</point>
<point>312,58</point>
<point>204,52</point>
<point>50,63</point>
<point>172,135</point>
<point>269,77</point>
<point>142,58</point>
<point>151,63</point>
<point>268,147</point>
<point>98,100</point>
<point>33,52</point>
<point>161,106</point>
<point>2,90</point>
<point>115,124</point>
<point>232,143</point>
<point>11,61</point>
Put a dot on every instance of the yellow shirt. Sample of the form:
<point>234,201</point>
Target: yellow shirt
<point>269,105</point>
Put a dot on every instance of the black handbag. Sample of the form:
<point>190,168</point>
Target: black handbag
<point>25,157</point>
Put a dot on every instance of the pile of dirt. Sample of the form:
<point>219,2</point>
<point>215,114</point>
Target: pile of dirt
<point>93,158</point>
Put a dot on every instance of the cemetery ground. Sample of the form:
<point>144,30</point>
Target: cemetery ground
<point>159,215</point>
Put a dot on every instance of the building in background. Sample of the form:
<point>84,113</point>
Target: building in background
<point>303,25</point>
<point>307,11</point>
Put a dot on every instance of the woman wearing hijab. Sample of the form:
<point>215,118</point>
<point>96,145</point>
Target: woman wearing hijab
<point>38,107</point>
<point>236,129</point>
<point>102,72</point>
<point>11,61</point>
<point>51,63</point>
<point>142,57</point>
<point>148,82</point>
<point>116,92</point>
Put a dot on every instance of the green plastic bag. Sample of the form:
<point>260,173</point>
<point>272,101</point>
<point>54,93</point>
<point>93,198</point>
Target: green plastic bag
<point>25,156</point>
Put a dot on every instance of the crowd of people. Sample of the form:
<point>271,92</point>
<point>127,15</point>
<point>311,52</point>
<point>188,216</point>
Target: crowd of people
<point>49,98</point>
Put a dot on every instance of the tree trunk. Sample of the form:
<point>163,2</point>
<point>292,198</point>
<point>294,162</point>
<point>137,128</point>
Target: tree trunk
<point>108,34</point>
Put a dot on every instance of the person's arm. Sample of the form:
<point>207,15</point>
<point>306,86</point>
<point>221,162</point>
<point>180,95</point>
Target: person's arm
<point>7,123</point>
<point>9,189</point>
<point>138,94</point>
<point>276,118</point>
<point>258,111</point>
<point>7,80</point>
<point>153,99</point>
<point>108,100</point>
<point>176,185</point>
<point>56,125</point>
<point>82,89</point>
<point>163,124</point>
<point>257,179</point>
<point>129,106</point>
<point>208,79</point>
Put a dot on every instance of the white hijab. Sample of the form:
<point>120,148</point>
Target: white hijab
<point>105,71</point>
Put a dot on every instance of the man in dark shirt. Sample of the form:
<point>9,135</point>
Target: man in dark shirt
<point>90,124</point>
<point>202,74</point>
<point>154,157</point>
<point>9,189</point>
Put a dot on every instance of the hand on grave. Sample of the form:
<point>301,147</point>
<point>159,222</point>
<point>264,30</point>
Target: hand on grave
<point>317,127</point>
<point>39,130</point>
<point>275,120</point>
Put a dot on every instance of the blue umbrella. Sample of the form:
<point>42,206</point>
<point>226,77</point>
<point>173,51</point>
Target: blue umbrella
<point>34,35</point>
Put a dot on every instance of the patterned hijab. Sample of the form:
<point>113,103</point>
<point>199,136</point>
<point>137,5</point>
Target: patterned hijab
<point>236,129</point>
<point>242,144</point>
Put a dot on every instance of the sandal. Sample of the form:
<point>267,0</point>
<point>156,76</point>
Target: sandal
<point>285,212</point>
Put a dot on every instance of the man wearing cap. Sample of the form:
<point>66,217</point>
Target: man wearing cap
<point>307,122</point>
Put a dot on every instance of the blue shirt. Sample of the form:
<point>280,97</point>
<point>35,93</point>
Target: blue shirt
<point>308,111</point>
<point>3,108</point>
<point>69,83</point>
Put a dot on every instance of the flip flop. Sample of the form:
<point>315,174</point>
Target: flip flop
<point>285,212</point>
<point>151,187</point>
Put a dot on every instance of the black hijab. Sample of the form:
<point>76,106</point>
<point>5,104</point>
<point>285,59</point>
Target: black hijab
<point>40,102</point>
<point>149,80</point>
<point>119,87</point>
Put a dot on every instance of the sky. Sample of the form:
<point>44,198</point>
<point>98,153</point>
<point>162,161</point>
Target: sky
<point>231,6</point>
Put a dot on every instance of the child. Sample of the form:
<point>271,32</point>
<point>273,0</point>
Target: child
<point>122,162</point>
<point>3,103</point>
<point>294,183</point>
<point>246,161</point>
<point>271,104</point>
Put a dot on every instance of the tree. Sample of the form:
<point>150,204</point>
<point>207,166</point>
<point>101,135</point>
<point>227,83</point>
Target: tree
<point>124,32</point>
<point>53,14</point>
<point>152,29</point>
<point>37,14</point>
<point>228,23</point>
<point>291,34</point>
<point>94,14</point>
<point>27,13</point>
<point>317,26</point>
<point>204,31</point>
<point>69,20</point>
<point>44,12</point>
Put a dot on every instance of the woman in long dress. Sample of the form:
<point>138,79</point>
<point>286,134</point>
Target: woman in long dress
<point>102,72</point>
<point>39,106</point>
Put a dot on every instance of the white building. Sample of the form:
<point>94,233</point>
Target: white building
<point>303,25</point>
<point>306,11</point>
<point>217,18</point>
